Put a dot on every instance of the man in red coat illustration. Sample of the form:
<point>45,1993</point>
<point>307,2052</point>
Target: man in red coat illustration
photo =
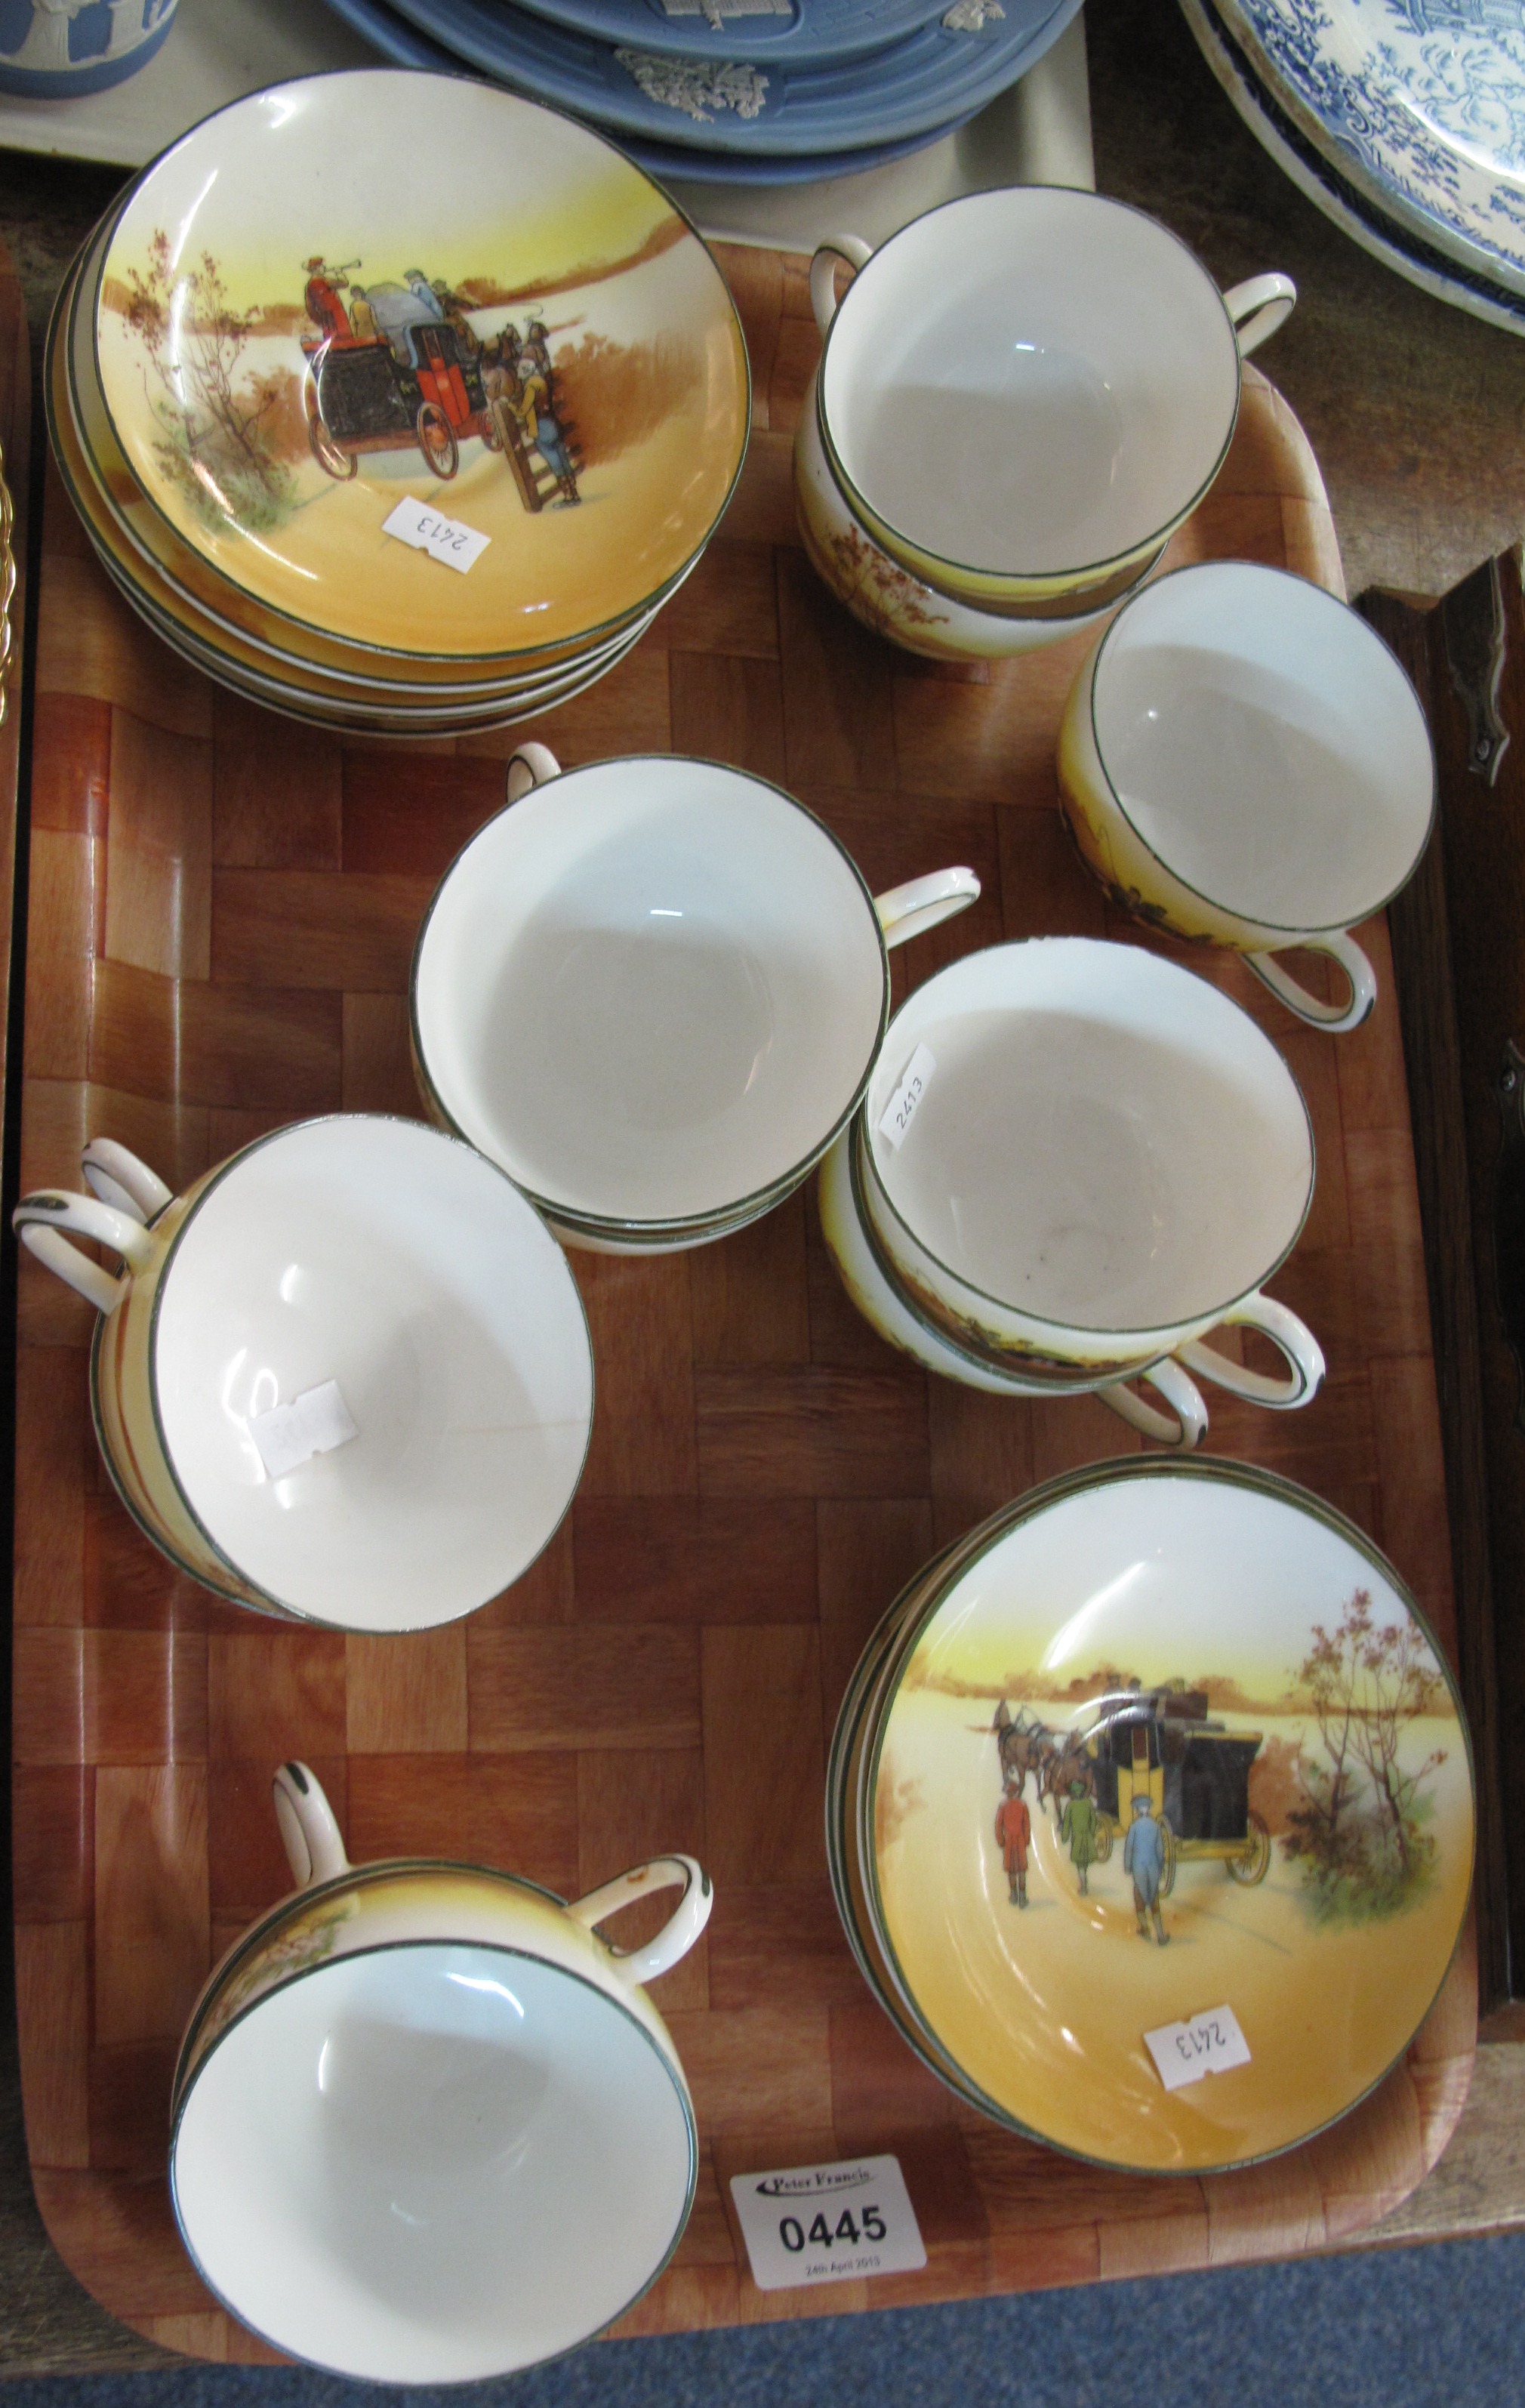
<point>1014,1836</point>
<point>321,300</point>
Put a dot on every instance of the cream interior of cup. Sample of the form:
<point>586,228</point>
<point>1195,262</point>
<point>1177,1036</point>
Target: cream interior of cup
<point>649,990</point>
<point>432,2164</point>
<point>394,1261</point>
<point>1029,381</point>
<point>1105,1142</point>
<point>1265,744</point>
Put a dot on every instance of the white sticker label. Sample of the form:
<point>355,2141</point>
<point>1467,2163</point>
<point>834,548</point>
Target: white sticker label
<point>312,1424</point>
<point>900,1110</point>
<point>825,2223</point>
<point>430,531</point>
<point>1210,2042</point>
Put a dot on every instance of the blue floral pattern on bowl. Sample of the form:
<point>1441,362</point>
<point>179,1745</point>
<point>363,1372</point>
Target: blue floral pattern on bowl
<point>1420,103</point>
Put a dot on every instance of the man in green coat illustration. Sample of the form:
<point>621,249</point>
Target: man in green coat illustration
<point>1077,1824</point>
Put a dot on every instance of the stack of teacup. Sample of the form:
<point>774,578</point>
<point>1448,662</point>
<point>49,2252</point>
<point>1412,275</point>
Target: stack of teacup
<point>653,991</point>
<point>1020,396</point>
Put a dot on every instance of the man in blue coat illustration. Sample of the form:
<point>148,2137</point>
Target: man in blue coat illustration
<point>1144,1856</point>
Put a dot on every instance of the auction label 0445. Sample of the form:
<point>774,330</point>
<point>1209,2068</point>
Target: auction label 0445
<point>827,2224</point>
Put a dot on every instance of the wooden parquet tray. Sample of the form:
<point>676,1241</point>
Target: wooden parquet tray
<point>221,911</point>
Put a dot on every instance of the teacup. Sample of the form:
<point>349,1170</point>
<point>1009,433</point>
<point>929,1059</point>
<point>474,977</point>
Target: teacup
<point>653,991</point>
<point>870,1284</point>
<point>1242,761</point>
<point>346,1377</point>
<point>1074,1152</point>
<point>427,2126</point>
<point>1024,392</point>
<point>887,599</point>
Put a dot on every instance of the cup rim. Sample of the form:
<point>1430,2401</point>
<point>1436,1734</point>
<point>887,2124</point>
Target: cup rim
<point>1228,1471</point>
<point>251,1590</point>
<point>666,2056</point>
<point>677,1225</point>
<point>1208,1315</point>
<point>1216,902</point>
<point>139,182</point>
<point>294,1902</point>
<point>1001,1366</point>
<point>1063,579</point>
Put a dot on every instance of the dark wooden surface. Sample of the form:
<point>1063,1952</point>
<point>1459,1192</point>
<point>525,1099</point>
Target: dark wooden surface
<point>1458,939</point>
<point>1417,415</point>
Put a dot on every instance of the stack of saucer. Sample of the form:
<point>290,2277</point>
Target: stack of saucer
<point>755,92</point>
<point>1404,125</point>
<point>1022,395</point>
<point>1074,1733</point>
<point>411,458</point>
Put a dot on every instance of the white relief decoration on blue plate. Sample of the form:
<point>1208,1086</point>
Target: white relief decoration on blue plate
<point>695,88</point>
<point>715,13</point>
<point>1426,97</point>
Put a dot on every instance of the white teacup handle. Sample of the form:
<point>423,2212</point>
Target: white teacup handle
<point>1333,1016</point>
<point>1259,306</point>
<point>41,1222</point>
<point>682,1927</point>
<point>309,1831</point>
<point>854,251</point>
<point>1183,1426</point>
<point>118,1177</point>
<point>1293,1338</point>
<point>922,903</point>
<point>533,765</point>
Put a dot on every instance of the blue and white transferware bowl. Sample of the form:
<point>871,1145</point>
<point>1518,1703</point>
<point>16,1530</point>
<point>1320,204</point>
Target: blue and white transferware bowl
<point>1419,262</point>
<point>1420,104</point>
<point>56,49</point>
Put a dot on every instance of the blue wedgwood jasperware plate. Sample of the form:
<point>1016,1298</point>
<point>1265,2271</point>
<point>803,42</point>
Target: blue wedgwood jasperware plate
<point>739,105</point>
<point>402,43</point>
<point>803,33</point>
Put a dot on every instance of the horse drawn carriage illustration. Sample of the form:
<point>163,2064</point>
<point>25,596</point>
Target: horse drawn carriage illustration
<point>1160,1744</point>
<point>400,364</point>
<point>359,397</point>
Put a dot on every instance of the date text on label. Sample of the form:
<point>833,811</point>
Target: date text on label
<point>825,2223</point>
<point>429,530</point>
<point>900,1110</point>
<point>1210,2042</point>
<point>312,1424</point>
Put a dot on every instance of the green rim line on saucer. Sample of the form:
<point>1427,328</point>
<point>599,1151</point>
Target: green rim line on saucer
<point>1341,1925</point>
<point>424,726</point>
<point>427,361</point>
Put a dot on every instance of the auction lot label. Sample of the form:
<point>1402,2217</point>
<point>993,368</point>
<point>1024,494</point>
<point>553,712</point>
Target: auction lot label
<point>826,2224</point>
